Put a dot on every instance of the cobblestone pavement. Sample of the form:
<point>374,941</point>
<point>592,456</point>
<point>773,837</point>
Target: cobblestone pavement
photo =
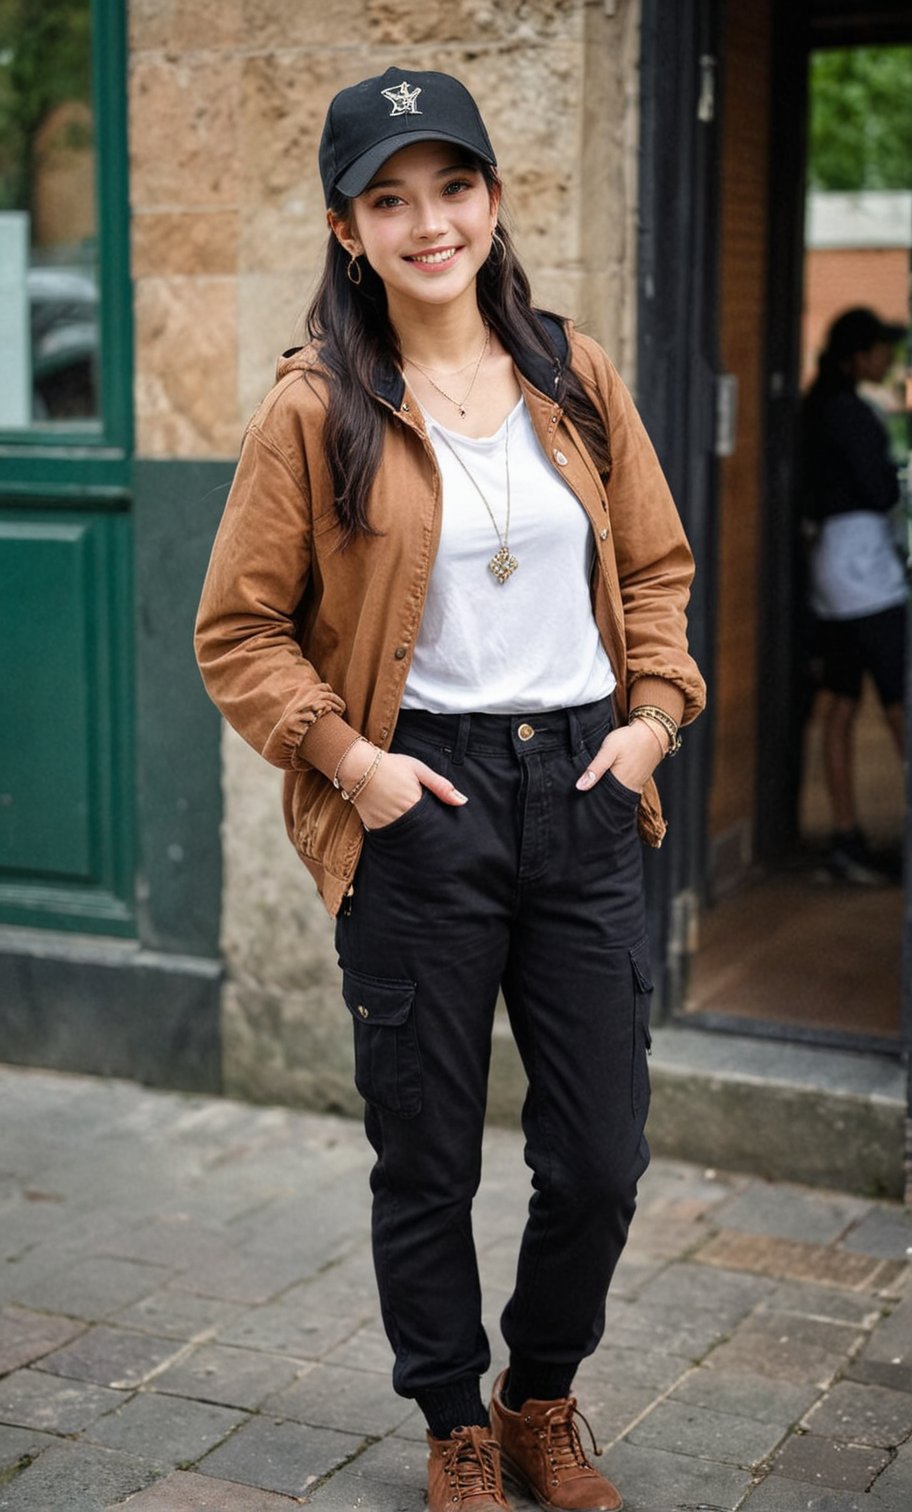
<point>188,1322</point>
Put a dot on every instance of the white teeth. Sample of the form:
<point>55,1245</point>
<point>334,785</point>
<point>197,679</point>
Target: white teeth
<point>435,257</point>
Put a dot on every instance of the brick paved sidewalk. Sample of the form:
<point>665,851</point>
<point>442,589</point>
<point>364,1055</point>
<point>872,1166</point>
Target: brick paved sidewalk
<point>188,1322</point>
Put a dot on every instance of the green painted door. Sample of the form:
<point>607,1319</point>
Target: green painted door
<point>66,707</point>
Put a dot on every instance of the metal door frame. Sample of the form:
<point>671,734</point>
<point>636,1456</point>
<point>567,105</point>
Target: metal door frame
<point>677,344</point>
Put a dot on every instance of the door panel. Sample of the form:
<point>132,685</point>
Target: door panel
<point>65,806</point>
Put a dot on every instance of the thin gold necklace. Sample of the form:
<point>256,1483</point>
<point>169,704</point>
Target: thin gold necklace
<point>459,404</point>
<point>502,564</point>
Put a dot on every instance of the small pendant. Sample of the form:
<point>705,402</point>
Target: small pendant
<point>503,565</point>
<point>461,411</point>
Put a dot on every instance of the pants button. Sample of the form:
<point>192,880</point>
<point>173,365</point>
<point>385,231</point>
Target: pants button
<point>525,732</point>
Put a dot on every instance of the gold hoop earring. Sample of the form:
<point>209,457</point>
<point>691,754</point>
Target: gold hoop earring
<point>354,264</point>
<point>498,242</point>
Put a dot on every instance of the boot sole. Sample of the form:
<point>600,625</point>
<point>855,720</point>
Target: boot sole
<point>524,1484</point>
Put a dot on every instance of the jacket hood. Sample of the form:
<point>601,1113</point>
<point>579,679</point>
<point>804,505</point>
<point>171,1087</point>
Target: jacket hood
<point>390,385</point>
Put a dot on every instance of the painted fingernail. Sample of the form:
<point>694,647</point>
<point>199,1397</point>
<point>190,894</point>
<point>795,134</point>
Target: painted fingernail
<point>586,781</point>
<point>460,796</point>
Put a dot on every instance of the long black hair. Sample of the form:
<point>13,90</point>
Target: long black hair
<point>356,337</point>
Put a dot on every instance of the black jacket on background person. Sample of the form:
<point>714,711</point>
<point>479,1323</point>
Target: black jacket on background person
<point>846,461</point>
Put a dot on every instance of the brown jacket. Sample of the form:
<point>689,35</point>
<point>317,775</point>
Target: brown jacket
<point>303,646</point>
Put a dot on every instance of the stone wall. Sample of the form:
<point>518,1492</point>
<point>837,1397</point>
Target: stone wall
<point>227,103</point>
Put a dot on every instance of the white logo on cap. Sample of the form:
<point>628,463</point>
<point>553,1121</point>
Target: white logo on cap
<point>402,99</point>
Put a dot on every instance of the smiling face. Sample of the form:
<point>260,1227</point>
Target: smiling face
<point>424,224</point>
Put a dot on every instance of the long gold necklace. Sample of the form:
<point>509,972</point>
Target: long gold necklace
<point>502,564</point>
<point>459,404</point>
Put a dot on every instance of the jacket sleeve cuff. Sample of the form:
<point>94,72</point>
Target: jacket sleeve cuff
<point>325,743</point>
<point>659,692</point>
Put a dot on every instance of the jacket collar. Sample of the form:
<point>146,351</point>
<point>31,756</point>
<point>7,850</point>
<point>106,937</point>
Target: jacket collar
<point>389,384</point>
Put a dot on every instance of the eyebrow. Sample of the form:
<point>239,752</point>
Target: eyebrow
<point>393,183</point>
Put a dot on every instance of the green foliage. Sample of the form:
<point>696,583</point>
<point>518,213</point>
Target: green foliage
<point>861,119</point>
<point>45,58</point>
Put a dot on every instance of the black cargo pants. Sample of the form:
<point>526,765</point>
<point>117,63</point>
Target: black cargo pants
<point>534,887</point>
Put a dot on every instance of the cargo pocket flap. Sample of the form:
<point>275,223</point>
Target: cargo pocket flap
<point>371,1000</point>
<point>639,960</point>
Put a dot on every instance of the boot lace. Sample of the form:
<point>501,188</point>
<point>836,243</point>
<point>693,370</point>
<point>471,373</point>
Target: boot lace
<point>562,1440</point>
<point>472,1465</point>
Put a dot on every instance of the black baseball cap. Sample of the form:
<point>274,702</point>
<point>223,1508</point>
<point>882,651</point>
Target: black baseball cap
<point>858,330</point>
<point>368,122</point>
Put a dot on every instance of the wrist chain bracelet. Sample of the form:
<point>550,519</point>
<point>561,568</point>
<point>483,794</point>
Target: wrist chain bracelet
<point>350,747</point>
<point>649,711</point>
<point>350,794</point>
<point>364,779</point>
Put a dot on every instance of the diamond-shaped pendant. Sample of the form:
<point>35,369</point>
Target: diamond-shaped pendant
<point>503,565</point>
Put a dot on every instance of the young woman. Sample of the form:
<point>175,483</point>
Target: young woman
<point>858,583</point>
<point>447,598</point>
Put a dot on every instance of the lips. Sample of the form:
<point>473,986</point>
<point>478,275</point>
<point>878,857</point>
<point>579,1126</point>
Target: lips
<point>433,259</point>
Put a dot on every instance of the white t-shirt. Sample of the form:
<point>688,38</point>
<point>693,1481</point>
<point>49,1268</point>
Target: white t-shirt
<point>530,643</point>
<point>855,569</point>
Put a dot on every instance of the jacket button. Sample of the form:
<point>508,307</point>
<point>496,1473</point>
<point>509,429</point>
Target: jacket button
<point>363,1011</point>
<point>399,653</point>
<point>560,459</point>
<point>603,535</point>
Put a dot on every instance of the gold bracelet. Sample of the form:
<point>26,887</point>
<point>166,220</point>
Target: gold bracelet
<point>364,779</point>
<point>662,745</point>
<point>649,711</point>
<point>350,747</point>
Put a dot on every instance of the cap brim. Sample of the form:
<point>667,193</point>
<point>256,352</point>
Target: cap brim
<point>358,175</point>
<point>893,333</point>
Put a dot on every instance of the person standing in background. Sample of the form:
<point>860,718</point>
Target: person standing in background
<point>858,590</point>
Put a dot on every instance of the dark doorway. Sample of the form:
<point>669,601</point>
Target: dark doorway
<point>755,942</point>
<point>785,948</point>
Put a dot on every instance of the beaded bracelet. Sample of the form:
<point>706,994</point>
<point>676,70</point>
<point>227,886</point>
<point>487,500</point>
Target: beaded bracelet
<point>363,780</point>
<point>649,711</point>
<point>350,747</point>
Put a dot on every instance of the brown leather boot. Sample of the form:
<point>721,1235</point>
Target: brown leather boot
<point>541,1449</point>
<point>464,1472</point>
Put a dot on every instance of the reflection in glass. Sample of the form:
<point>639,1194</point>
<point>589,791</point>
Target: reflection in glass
<point>49,327</point>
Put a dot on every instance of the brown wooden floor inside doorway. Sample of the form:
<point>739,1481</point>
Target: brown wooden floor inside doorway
<point>795,950</point>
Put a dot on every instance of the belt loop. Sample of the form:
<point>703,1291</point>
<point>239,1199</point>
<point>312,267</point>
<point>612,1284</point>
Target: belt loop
<point>462,739</point>
<point>575,732</point>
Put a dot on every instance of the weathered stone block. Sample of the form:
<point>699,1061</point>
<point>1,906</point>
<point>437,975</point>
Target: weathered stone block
<point>33,1399</point>
<point>26,1336</point>
<point>238,1378</point>
<point>271,309</point>
<point>281,1456</point>
<point>93,1288</point>
<point>184,242</point>
<point>824,1462</point>
<point>184,1492</point>
<point>174,25</point>
<point>859,1414</point>
<point>184,119</point>
<point>76,1476</point>
<point>285,24</point>
<point>166,1431</point>
<point>112,1357</point>
<point>723,1436</point>
<point>394,22</point>
<point>186,380</point>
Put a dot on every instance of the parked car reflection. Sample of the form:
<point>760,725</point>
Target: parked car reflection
<point>63,308</point>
